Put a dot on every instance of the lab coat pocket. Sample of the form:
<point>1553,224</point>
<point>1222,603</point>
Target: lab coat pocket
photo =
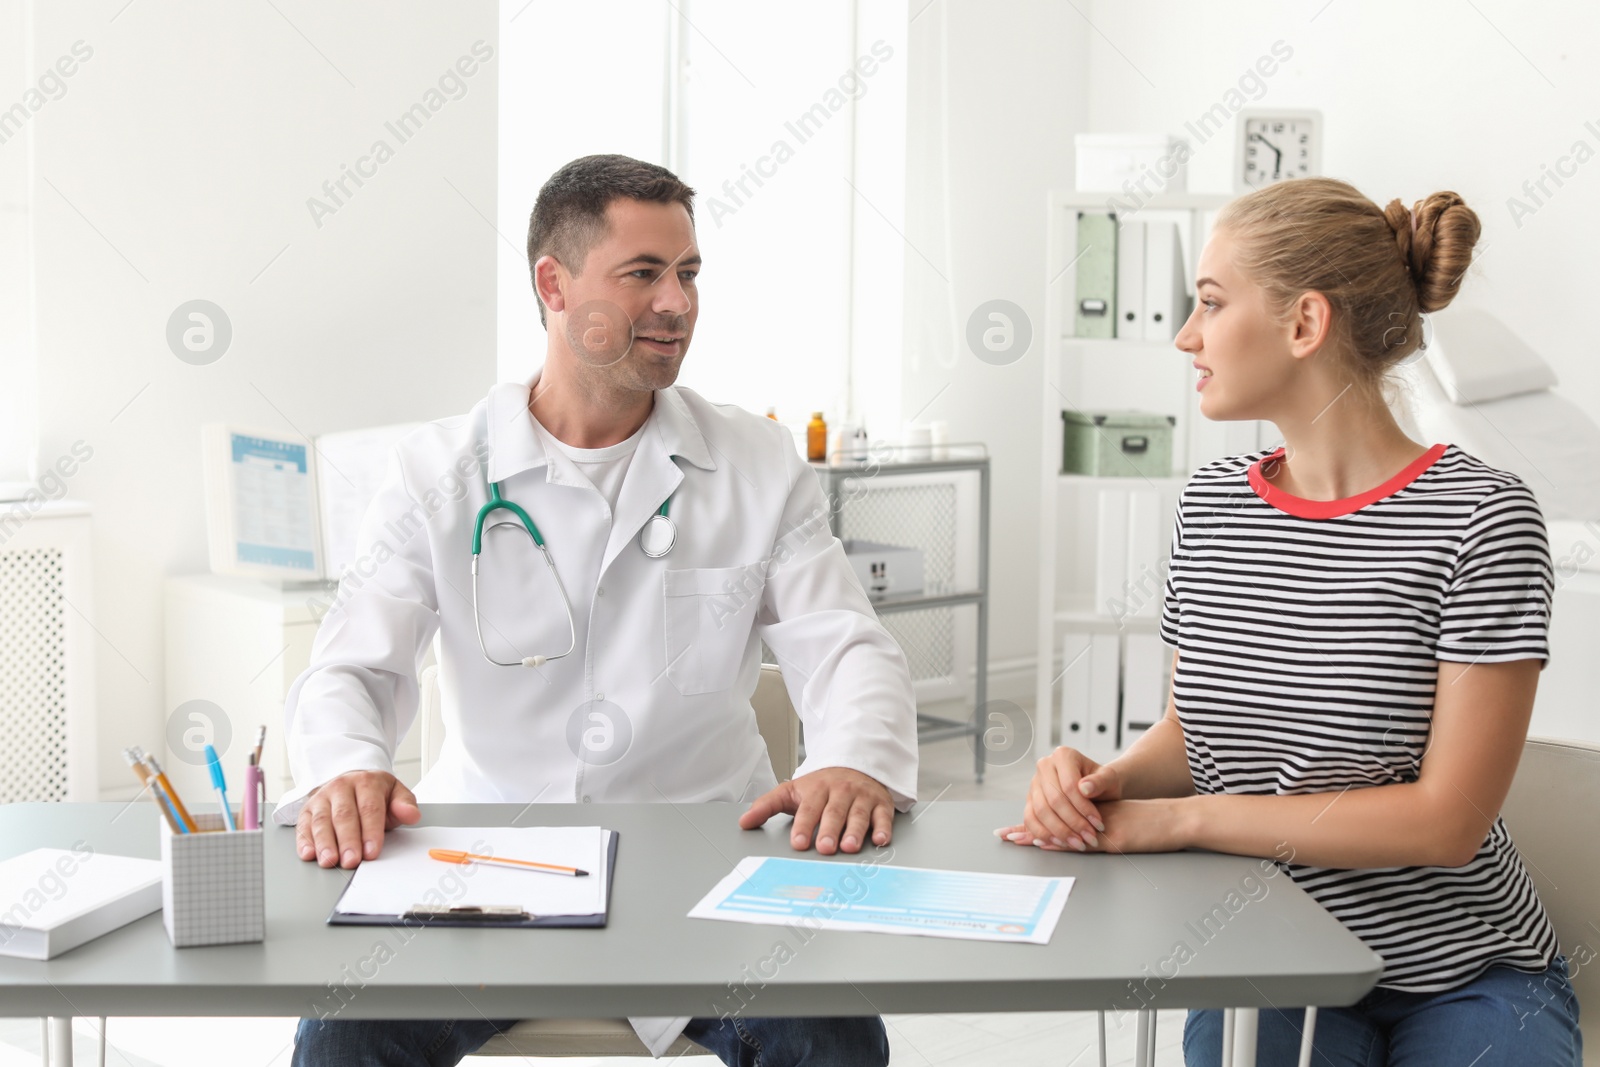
<point>708,618</point>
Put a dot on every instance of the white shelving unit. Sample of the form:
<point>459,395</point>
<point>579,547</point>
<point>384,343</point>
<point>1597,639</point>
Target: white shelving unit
<point>1094,374</point>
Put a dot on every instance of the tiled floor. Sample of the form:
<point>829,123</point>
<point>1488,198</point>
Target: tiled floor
<point>1058,1039</point>
<point>1061,1039</point>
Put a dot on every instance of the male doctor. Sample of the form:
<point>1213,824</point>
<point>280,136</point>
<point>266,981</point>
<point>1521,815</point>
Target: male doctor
<point>680,535</point>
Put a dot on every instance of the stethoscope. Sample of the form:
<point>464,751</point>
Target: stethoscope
<point>655,541</point>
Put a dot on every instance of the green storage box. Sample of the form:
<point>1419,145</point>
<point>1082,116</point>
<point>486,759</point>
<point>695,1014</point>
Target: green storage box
<point>1117,444</point>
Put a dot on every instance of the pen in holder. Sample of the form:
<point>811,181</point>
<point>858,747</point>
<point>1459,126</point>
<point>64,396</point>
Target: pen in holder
<point>213,890</point>
<point>255,795</point>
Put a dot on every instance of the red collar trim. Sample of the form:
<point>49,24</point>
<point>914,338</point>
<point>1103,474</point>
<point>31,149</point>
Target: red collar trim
<point>1332,509</point>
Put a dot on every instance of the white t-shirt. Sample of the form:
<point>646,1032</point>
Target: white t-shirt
<point>604,467</point>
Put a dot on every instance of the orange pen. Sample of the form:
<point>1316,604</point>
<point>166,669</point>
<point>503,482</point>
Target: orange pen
<point>448,855</point>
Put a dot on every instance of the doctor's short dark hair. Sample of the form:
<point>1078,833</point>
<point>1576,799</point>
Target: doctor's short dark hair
<point>570,214</point>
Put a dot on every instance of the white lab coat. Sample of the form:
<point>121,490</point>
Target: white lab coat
<point>668,649</point>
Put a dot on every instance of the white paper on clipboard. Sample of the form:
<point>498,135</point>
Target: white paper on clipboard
<point>404,876</point>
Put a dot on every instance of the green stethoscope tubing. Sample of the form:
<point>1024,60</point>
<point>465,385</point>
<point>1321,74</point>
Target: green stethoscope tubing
<point>497,502</point>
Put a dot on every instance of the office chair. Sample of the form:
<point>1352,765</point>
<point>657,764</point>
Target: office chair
<point>779,727</point>
<point>1549,812</point>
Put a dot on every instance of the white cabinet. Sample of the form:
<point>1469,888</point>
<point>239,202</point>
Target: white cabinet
<point>234,646</point>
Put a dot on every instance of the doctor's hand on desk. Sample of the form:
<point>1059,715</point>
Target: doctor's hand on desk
<point>344,818</point>
<point>828,802</point>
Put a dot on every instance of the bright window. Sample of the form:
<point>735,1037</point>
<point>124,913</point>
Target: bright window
<point>788,120</point>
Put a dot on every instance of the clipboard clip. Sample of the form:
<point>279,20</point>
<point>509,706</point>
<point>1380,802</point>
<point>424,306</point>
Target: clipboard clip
<point>486,913</point>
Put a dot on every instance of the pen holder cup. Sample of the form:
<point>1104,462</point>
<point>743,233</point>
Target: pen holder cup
<point>213,889</point>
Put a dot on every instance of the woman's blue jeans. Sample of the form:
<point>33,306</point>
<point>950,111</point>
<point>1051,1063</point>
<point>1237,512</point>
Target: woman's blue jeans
<point>1502,1017</point>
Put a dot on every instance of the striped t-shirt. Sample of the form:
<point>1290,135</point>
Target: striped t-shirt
<point>1308,635</point>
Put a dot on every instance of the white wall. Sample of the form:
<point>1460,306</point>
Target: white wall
<point>1421,97</point>
<point>983,147</point>
<point>17,79</point>
<point>800,285</point>
<point>179,166</point>
<point>1415,98</point>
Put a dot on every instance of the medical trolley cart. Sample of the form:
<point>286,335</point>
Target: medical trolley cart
<point>915,495</point>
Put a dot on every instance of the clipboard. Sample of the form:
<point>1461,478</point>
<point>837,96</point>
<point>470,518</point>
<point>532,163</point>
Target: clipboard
<point>486,916</point>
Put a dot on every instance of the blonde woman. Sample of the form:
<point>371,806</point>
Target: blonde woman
<point>1359,622</point>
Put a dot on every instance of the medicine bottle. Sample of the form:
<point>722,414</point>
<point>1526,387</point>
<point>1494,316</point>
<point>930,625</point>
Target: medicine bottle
<point>816,438</point>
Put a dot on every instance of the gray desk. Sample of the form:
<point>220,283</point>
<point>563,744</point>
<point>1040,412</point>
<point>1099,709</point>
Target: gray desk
<point>1123,919</point>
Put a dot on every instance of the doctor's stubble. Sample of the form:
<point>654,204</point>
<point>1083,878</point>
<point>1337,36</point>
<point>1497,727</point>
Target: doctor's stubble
<point>600,335</point>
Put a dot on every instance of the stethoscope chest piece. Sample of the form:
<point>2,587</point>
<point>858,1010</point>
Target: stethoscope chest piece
<point>658,536</point>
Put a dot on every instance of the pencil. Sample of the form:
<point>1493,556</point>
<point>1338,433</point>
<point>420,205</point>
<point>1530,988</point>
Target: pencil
<point>172,794</point>
<point>132,756</point>
<point>449,855</point>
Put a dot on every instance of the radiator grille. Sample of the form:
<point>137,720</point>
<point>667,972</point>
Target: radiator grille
<point>33,691</point>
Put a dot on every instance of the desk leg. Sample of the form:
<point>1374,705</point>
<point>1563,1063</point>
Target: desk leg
<point>1307,1036</point>
<point>1244,1036</point>
<point>59,1051</point>
<point>1040,715</point>
<point>1144,1053</point>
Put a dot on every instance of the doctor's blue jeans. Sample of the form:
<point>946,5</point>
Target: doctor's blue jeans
<point>1502,1018</point>
<point>739,1042</point>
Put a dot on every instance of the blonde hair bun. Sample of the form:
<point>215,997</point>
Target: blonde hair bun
<point>1323,235</point>
<point>1436,237</point>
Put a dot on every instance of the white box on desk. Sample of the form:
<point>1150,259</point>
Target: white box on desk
<point>1106,160</point>
<point>886,570</point>
<point>214,890</point>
